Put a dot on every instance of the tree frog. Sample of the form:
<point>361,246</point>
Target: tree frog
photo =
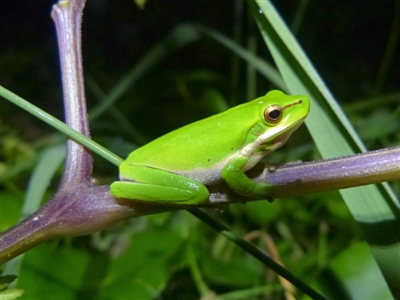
<point>176,168</point>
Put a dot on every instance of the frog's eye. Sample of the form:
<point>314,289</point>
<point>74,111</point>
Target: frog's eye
<point>273,114</point>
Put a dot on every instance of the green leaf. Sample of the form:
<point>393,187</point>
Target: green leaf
<point>144,267</point>
<point>46,276</point>
<point>375,207</point>
<point>11,294</point>
<point>357,270</point>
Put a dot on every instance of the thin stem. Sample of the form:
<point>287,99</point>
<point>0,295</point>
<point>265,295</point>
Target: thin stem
<point>60,126</point>
<point>257,253</point>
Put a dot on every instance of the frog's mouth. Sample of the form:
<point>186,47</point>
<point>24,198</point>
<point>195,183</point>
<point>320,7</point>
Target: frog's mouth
<point>271,140</point>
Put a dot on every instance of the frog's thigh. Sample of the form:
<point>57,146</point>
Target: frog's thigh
<point>160,187</point>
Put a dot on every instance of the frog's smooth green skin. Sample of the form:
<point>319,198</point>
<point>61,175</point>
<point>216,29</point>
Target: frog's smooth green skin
<point>175,168</point>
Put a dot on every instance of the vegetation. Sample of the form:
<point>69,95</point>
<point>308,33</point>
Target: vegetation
<point>166,66</point>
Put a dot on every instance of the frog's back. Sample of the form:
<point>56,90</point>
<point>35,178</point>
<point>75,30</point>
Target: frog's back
<point>200,144</point>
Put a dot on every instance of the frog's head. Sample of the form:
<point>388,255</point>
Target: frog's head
<point>279,116</point>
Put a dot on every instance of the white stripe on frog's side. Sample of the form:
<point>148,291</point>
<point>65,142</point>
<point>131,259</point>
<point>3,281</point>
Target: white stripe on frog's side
<point>212,175</point>
<point>207,176</point>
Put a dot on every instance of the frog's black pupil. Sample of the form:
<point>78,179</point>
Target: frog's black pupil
<point>275,114</point>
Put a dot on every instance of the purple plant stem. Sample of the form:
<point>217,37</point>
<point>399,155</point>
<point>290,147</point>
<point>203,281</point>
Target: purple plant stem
<point>80,206</point>
<point>67,17</point>
<point>336,173</point>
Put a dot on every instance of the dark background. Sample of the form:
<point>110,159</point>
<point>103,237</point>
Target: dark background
<point>345,40</point>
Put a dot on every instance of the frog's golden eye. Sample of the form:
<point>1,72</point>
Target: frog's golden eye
<point>273,114</point>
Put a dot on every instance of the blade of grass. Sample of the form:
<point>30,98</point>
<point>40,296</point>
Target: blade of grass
<point>376,208</point>
<point>261,65</point>
<point>258,254</point>
<point>60,126</point>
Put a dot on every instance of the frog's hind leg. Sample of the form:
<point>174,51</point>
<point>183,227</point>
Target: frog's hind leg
<point>155,186</point>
